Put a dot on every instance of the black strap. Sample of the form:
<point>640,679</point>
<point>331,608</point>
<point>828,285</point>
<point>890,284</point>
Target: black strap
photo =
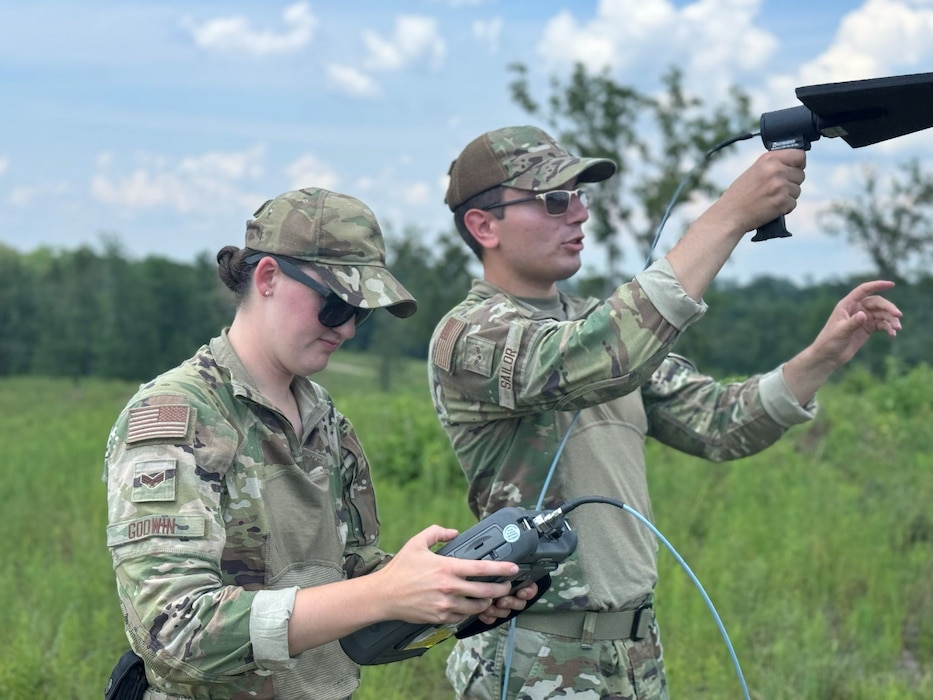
<point>128,679</point>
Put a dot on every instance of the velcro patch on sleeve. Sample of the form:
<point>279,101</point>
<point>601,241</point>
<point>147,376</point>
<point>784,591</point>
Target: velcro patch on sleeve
<point>156,526</point>
<point>478,355</point>
<point>446,342</point>
<point>507,377</point>
<point>154,480</point>
<point>158,422</point>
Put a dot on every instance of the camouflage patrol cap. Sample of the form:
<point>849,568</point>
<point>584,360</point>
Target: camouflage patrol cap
<point>341,239</point>
<point>523,157</point>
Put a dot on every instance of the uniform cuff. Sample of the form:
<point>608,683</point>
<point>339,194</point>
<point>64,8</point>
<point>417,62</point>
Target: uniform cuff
<point>662,287</point>
<point>268,628</point>
<point>779,401</point>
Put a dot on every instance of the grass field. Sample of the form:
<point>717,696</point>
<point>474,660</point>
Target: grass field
<point>818,553</point>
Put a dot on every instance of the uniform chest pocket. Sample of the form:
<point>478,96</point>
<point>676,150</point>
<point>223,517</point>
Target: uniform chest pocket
<point>305,546</point>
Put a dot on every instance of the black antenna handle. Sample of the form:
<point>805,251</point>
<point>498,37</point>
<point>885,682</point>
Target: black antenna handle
<point>773,229</point>
<point>795,127</point>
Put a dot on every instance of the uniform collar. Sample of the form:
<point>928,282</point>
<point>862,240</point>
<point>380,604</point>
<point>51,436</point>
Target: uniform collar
<point>313,401</point>
<point>573,307</point>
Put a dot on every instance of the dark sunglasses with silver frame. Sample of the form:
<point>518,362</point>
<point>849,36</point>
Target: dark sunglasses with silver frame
<point>335,311</point>
<point>556,202</point>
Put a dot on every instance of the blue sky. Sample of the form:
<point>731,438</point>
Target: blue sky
<point>166,123</point>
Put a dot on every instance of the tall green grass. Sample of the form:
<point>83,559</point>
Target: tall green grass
<point>60,630</point>
<point>817,553</point>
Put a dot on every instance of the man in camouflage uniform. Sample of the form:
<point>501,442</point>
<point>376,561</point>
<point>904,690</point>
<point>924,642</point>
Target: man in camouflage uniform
<point>518,364</point>
<point>242,518</point>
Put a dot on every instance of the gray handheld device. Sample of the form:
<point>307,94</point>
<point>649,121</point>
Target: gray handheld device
<point>507,535</point>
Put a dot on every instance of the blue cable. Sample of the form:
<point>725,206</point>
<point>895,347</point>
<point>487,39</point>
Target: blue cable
<point>547,482</point>
<point>667,212</point>
<point>706,598</point>
<point>684,180</point>
<point>561,512</point>
<point>560,449</point>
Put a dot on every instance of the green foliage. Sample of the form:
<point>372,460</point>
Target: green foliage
<point>766,318</point>
<point>437,276</point>
<point>84,313</point>
<point>415,454</point>
<point>59,627</point>
<point>754,327</point>
<point>656,140</point>
<point>81,314</point>
<point>817,553</point>
<point>892,222</point>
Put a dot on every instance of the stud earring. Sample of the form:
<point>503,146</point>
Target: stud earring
<point>268,292</point>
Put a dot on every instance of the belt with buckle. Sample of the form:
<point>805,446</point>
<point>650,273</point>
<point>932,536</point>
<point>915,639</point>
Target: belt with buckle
<point>588,625</point>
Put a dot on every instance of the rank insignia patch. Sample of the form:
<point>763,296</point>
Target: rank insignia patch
<point>154,480</point>
<point>148,422</point>
<point>478,355</point>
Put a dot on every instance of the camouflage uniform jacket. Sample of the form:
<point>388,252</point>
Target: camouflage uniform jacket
<point>218,513</point>
<point>507,378</point>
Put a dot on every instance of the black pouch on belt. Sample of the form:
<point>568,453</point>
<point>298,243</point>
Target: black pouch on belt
<point>128,679</point>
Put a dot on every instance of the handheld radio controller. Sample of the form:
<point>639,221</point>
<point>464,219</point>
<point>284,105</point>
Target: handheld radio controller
<point>510,534</point>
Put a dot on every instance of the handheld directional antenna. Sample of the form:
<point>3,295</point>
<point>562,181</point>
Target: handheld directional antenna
<point>860,112</point>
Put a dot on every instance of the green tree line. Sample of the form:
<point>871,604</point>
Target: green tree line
<point>87,313</point>
<point>99,313</point>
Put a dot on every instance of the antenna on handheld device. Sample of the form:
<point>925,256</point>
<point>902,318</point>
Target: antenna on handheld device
<point>860,112</point>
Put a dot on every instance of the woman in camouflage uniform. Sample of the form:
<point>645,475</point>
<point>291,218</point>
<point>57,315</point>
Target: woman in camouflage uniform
<point>242,518</point>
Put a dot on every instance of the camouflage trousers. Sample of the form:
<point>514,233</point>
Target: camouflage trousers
<point>552,666</point>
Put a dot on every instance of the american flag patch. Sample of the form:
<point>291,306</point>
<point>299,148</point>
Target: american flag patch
<point>150,422</point>
<point>446,342</point>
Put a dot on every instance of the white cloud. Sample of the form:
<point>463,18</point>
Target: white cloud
<point>310,171</point>
<point>366,183</point>
<point>565,41</point>
<point>414,39</point>
<point>204,182</point>
<point>351,81</point>
<point>24,195</point>
<point>418,193</point>
<point>487,32</point>
<point>712,39</point>
<point>883,37</point>
<point>726,36</point>
<point>395,193</point>
<point>225,166</point>
<point>4,164</point>
<point>845,177</point>
<point>236,34</point>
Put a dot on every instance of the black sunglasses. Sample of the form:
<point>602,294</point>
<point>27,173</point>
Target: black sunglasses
<point>335,311</point>
<point>556,202</point>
